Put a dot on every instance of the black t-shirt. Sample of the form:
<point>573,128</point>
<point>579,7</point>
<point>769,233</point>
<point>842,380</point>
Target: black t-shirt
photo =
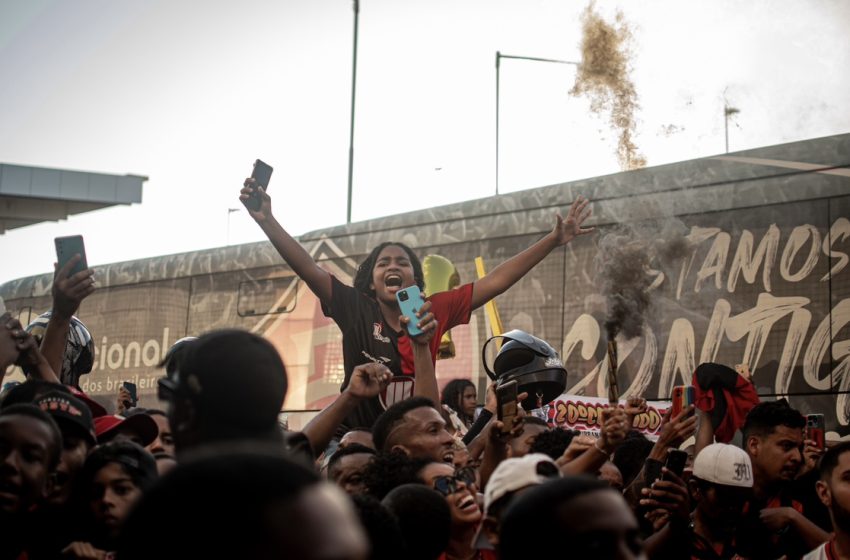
<point>367,338</point>
<point>755,540</point>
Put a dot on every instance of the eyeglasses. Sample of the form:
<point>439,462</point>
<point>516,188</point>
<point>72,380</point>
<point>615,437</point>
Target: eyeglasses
<point>447,485</point>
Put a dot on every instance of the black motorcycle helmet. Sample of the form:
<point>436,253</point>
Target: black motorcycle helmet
<point>532,362</point>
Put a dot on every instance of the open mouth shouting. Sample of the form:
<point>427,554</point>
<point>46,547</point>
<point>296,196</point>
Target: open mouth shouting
<point>393,281</point>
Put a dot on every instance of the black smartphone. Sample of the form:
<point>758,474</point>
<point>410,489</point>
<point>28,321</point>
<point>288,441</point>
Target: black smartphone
<point>66,248</point>
<point>262,175</point>
<point>506,405</point>
<point>651,472</point>
<point>134,397</point>
<point>676,460</point>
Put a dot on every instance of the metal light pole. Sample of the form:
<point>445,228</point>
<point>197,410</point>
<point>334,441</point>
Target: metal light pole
<point>229,212</point>
<point>351,130</point>
<point>728,112</point>
<point>499,57</point>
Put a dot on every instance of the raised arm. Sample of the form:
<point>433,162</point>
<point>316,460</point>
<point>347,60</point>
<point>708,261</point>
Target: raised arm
<point>367,381</point>
<point>316,278</point>
<point>425,384</point>
<point>509,272</point>
<point>68,293</point>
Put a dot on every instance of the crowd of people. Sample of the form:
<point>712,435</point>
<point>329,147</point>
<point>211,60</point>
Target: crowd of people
<point>424,474</point>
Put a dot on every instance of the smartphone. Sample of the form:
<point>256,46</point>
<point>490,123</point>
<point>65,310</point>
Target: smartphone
<point>409,301</point>
<point>683,397</point>
<point>815,429</point>
<point>651,472</point>
<point>676,460</point>
<point>506,405</point>
<point>262,175</point>
<point>134,397</point>
<point>66,248</point>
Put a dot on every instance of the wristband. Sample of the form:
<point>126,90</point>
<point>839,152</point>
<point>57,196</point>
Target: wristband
<point>599,449</point>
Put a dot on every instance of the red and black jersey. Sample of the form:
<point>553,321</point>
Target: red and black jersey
<point>366,337</point>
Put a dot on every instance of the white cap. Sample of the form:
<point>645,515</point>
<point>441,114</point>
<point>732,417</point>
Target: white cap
<point>725,464</point>
<point>511,475</point>
<point>516,473</point>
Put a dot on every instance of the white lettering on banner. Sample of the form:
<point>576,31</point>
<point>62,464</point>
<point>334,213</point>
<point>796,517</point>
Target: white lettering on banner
<point>582,413</point>
<point>715,262</point>
<point>839,231</point>
<point>133,354</point>
<point>748,264</point>
<point>803,240</point>
<point>799,237</point>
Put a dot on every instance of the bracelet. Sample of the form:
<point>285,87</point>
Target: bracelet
<point>599,449</point>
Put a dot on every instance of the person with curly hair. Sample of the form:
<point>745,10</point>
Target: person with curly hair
<point>368,313</point>
<point>460,399</point>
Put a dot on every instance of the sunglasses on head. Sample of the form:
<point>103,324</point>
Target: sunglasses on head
<point>447,485</point>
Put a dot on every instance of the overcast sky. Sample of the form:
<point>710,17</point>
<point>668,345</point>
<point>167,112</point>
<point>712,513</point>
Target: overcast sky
<point>190,93</point>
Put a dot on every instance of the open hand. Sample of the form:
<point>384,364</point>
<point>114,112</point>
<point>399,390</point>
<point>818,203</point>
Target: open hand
<point>568,228</point>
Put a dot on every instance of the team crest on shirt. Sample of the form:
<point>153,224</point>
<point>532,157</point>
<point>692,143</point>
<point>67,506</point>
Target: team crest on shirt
<point>377,328</point>
<point>399,389</point>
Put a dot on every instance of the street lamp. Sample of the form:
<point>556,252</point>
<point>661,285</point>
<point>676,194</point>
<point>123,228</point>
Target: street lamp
<point>499,57</point>
<point>229,212</point>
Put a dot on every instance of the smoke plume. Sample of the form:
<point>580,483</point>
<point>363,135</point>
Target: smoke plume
<point>630,259</point>
<point>603,75</point>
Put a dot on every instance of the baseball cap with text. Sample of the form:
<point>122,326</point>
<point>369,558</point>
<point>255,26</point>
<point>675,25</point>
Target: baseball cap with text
<point>725,464</point>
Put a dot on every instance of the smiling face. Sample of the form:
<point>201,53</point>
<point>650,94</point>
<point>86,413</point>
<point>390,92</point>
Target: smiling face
<point>462,503</point>
<point>423,435</point>
<point>393,271</point>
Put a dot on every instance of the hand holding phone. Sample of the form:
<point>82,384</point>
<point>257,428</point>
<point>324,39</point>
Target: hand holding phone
<point>134,397</point>
<point>506,405</point>
<point>409,302</point>
<point>262,175</point>
<point>815,427</point>
<point>676,461</point>
<point>66,248</point>
<point>683,397</point>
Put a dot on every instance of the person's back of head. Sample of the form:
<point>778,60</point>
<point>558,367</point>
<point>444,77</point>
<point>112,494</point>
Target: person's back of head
<point>424,518</point>
<point>264,506</point>
<point>579,514</point>
<point>630,456</point>
<point>230,386</point>
<point>552,442</point>
<point>385,538</point>
<point>387,471</point>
